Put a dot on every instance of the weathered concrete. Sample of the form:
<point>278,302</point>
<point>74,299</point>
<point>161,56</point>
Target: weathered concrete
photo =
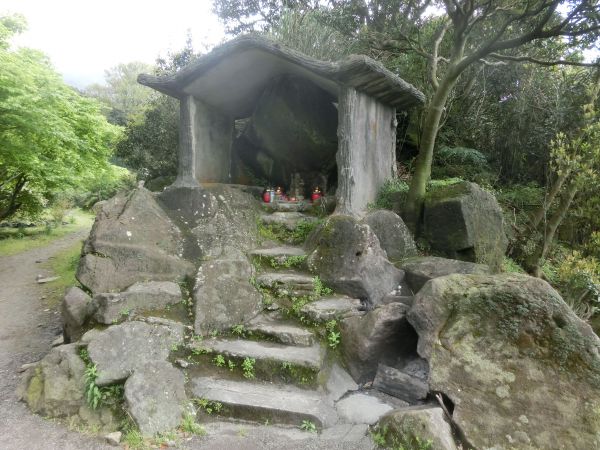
<point>309,357</point>
<point>257,401</point>
<point>367,150</point>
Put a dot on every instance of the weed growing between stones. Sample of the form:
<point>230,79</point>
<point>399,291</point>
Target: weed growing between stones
<point>239,330</point>
<point>279,233</point>
<point>309,426</point>
<point>333,333</point>
<point>219,360</point>
<point>95,396</point>
<point>209,406</point>
<point>320,288</point>
<point>248,367</point>
<point>283,262</point>
<point>189,425</point>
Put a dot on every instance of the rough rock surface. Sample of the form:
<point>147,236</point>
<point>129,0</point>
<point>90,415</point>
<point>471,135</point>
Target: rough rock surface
<point>55,386</point>
<point>142,296</point>
<point>521,369</point>
<point>328,308</point>
<point>132,240</point>
<point>75,309</point>
<point>361,408</point>
<point>347,256</point>
<point>339,383</point>
<point>421,269</point>
<point>465,222</point>
<point>423,423</point>
<point>223,296</point>
<point>381,335</point>
<point>155,396</point>
<point>121,349</point>
<point>394,236</point>
<point>402,385</point>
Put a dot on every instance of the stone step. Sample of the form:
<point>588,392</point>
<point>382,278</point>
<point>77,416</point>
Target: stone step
<point>290,283</point>
<point>266,352</point>
<point>287,206</point>
<point>332,307</point>
<point>261,401</point>
<point>281,256</point>
<point>288,220</point>
<point>284,332</point>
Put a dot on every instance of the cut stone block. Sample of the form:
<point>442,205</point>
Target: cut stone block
<point>280,255</point>
<point>283,332</point>
<point>339,382</point>
<point>287,283</point>
<point>328,308</point>
<point>399,384</point>
<point>256,401</point>
<point>309,357</point>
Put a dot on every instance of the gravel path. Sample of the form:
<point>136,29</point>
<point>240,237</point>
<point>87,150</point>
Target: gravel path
<point>27,329</point>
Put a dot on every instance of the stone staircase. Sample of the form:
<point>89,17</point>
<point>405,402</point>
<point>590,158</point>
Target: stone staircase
<point>294,376</point>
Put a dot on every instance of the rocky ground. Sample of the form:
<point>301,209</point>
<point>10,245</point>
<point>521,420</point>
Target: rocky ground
<point>27,329</point>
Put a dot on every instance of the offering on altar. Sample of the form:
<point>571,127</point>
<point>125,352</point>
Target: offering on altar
<point>316,194</point>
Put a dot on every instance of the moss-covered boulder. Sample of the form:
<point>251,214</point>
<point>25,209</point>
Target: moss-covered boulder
<point>421,427</point>
<point>462,221</point>
<point>522,370</point>
<point>55,386</point>
<point>394,236</point>
<point>346,254</point>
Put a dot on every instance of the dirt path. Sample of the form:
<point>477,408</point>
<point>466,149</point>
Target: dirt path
<point>27,329</point>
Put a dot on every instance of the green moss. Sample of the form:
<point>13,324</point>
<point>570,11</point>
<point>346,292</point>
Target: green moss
<point>35,390</point>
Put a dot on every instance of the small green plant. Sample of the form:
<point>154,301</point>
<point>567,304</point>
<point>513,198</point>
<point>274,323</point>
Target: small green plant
<point>93,396</point>
<point>209,406</point>
<point>238,330</point>
<point>231,365</point>
<point>333,333</point>
<point>189,425</point>
<point>309,426</point>
<point>320,288</point>
<point>248,367</point>
<point>174,347</point>
<point>124,312</point>
<point>383,438</point>
<point>219,360</point>
<point>133,439</point>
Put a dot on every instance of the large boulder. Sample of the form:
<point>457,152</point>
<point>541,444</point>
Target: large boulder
<point>394,236</point>
<point>415,427</point>
<point>76,308</point>
<point>462,221</point>
<point>55,386</point>
<point>155,396</point>
<point>145,296</point>
<point>346,255</point>
<point>121,349</point>
<point>132,240</point>
<point>420,269</point>
<point>381,335</point>
<point>223,296</point>
<point>522,370</point>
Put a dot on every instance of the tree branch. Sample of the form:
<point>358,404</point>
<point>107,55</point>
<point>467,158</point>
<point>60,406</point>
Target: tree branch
<point>558,62</point>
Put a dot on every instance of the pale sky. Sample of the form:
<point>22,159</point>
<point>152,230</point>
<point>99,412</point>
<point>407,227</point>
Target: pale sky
<point>84,37</point>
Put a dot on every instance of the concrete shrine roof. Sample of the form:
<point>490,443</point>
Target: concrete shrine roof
<point>232,76</point>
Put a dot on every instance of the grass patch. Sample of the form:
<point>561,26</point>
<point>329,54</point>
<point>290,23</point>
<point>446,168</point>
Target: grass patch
<point>64,265</point>
<point>17,240</point>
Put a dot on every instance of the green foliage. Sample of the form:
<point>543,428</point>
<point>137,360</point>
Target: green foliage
<point>248,367</point>
<point>96,396</point>
<point>134,440</point>
<point>209,406</point>
<point>239,330</point>
<point>461,162</point>
<point>287,262</point>
<point>385,438</point>
<point>320,288</point>
<point>510,266</point>
<point>333,333</point>
<point>279,233</point>
<point>189,425</point>
<point>219,360</point>
<point>309,426</point>
<point>393,191</point>
<point>52,138</point>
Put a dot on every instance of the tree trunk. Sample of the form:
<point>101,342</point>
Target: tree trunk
<point>541,212</point>
<point>13,205</point>
<point>551,227</point>
<point>416,194</point>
